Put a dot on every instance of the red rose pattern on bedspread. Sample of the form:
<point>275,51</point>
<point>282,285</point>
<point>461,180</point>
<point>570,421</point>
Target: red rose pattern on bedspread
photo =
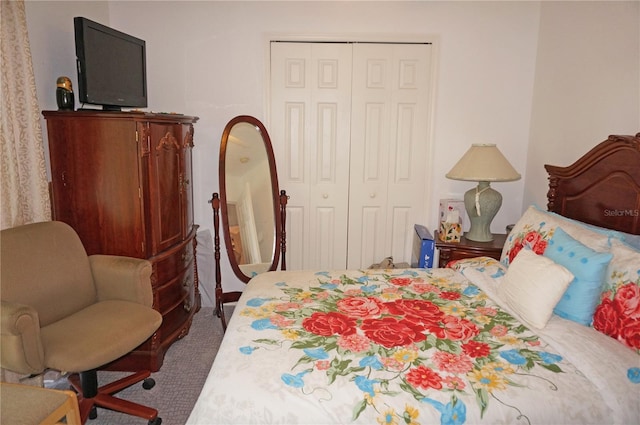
<point>618,314</point>
<point>415,333</point>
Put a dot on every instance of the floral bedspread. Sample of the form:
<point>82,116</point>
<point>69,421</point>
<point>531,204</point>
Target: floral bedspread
<point>407,346</point>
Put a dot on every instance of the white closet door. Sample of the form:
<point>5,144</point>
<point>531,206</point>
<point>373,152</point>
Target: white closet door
<point>349,126</point>
<point>310,127</point>
<point>389,150</point>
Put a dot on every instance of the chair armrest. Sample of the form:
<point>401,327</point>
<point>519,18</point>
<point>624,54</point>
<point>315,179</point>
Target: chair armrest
<point>21,349</point>
<point>122,278</point>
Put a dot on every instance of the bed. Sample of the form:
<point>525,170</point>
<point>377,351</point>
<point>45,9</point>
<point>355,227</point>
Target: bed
<point>549,334</point>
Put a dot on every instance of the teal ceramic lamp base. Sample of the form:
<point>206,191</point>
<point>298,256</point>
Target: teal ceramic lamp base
<point>482,204</point>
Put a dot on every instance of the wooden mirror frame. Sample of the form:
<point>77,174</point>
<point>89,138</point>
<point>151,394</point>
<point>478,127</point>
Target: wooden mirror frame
<point>219,203</point>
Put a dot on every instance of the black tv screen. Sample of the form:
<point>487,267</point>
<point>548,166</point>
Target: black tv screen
<point>111,66</point>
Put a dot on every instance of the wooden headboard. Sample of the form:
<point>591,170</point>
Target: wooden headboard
<point>602,187</point>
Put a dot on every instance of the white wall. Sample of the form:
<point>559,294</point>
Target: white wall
<point>587,84</point>
<point>497,65</point>
<point>50,28</point>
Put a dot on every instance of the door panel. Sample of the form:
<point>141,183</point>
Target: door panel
<point>296,250</point>
<point>389,147</point>
<point>370,240</point>
<point>96,182</point>
<point>311,102</point>
<point>165,186</point>
<point>289,129</point>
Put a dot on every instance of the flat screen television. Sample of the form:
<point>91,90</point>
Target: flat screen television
<point>112,69</point>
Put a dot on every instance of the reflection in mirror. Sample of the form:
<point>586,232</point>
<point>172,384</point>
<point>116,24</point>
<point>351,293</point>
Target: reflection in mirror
<point>252,208</point>
<point>251,231</point>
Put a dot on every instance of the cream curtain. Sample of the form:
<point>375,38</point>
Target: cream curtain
<point>24,194</point>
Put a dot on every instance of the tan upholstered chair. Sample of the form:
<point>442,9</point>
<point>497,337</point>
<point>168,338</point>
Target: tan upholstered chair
<point>66,311</point>
<point>27,405</point>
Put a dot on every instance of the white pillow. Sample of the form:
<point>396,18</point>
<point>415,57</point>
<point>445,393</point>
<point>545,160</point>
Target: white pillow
<point>533,285</point>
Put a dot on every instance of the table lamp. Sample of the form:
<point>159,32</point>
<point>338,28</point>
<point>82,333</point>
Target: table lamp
<point>483,163</point>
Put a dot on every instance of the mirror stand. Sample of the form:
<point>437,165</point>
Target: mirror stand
<point>229,297</point>
<point>283,229</point>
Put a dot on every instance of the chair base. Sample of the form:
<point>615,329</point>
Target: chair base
<point>89,399</point>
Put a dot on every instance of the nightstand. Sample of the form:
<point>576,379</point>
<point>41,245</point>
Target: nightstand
<point>468,249</point>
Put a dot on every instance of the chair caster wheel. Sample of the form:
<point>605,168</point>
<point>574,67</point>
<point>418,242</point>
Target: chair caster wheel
<point>156,421</point>
<point>147,384</point>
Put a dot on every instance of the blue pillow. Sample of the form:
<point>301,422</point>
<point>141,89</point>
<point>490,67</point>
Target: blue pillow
<point>632,240</point>
<point>588,267</point>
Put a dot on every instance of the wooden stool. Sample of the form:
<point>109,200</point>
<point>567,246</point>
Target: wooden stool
<point>29,405</point>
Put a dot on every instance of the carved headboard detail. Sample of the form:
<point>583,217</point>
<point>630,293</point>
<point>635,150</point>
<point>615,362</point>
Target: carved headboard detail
<point>602,187</point>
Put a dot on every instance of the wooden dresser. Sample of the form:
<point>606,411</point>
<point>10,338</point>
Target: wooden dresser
<point>122,180</point>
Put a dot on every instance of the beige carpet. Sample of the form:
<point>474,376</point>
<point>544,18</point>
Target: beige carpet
<point>178,382</point>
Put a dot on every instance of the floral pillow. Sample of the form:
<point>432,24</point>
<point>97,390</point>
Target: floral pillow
<point>618,314</point>
<point>536,227</point>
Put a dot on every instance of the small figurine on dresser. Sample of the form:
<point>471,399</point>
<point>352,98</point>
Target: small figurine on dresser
<point>64,94</point>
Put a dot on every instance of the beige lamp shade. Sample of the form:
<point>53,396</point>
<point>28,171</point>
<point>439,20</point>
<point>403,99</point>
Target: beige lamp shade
<point>483,162</point>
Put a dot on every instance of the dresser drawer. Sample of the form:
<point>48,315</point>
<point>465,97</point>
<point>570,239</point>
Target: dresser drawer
<point>177,305</point>
<point>175,291</point>
<point>169,264</point>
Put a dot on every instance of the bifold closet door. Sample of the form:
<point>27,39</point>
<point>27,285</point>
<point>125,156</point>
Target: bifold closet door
<point>389,150</point>
<point>349,124</point>
<point>309,125</point>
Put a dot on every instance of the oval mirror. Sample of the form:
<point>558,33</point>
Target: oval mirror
<point>249,198</point>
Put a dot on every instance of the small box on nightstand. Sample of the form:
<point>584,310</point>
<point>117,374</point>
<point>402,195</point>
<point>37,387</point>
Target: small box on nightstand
<point>423,248</point>
<point>450,232</point>
<point>449,205</point>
